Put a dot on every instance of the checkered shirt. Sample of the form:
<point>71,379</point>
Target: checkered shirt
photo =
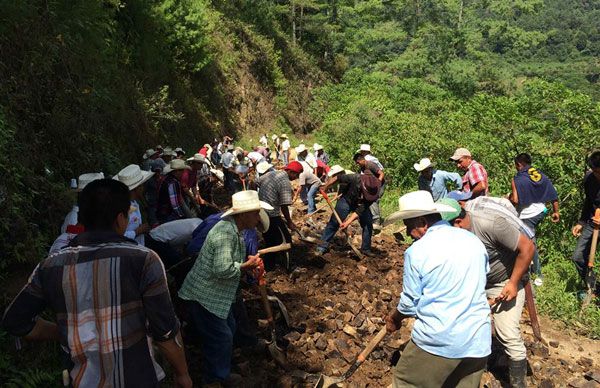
<point>275,189</point>
<point>215,276</point>
<point>475,174</point>
<point>109,295</point>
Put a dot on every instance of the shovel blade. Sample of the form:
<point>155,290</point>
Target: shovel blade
<point>326,381</point>
<point>590,280</point>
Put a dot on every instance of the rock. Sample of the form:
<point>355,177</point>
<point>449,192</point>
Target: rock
<point>536,366</point>
<point>546,383</point>
<point>362,269</point>
<point>321,343</point>
<point>385,295</point>
<point>554,344</point>
<point>292,336</point>
<point>339,324</point>
<point>347,316</point>
<point>331,325</point>
<point>358,320</point>
<point>334,354</point>
<point>580,349</point>
<point>350,331</point>
<point>585,362</point>
<point>540,351</point>
<point>580,382</point>
<point>285,382</point>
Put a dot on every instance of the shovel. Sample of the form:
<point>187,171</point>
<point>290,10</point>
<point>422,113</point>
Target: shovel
<point>590,277</point>
<point>306,238</point>
<point>328,381</point>
<point>276,352</point>
<point>339,220</point>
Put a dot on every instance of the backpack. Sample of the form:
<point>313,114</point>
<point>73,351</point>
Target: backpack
<point>369,186</point>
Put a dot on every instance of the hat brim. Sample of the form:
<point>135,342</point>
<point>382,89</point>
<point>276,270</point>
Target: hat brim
<point>146,175</point>
<point>233,211</point>
<point>420,168</point>
<point>168,169</point>
<point>264,223</point>
<point>405,214</point>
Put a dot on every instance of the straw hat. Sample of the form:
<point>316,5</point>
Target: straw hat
<point>301,148</point>
<point>133,176</point>
<point>149,152</point>
<point>336,169</point>
<point>263,167</point>
<point>246,201</point>
<point>459,153</point>
<point>423,164</point>
<point>417,204</point>
<point>283,136</point>
<point>174,165</point>
<point>168,151</point>
<point>317,147</point>
<point>219,174</point>
<point>84,179</point>
<point>364,147</point>
<point>179,149</point>
<point>197,158</point>
<point>274,137</point>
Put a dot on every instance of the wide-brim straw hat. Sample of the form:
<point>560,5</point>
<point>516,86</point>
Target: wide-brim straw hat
<point>317,147</point>
<point>179,149</point>
<point>283,136</point>
<point>219,174</point>
<point>301,148</point>
<point>336,169</point>
<point>263,167</point>
<point>274,137</point>
<point>149,152</point>
<point>133,176</point>
<point>174,165</point>
<point>197,158</point>
<point>85,179</point>
<point>423,164</point>
<point>265,221</point>
<point>246,201</point>
<point>364,147</point>
<point>417,204</point>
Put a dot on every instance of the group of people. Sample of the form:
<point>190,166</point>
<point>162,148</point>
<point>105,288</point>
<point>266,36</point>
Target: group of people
<point>106,275</point>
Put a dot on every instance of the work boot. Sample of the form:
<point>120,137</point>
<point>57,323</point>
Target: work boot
<point>517,373</point>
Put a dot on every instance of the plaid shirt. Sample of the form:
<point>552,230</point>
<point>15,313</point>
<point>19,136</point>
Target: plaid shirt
<point>215,276</point>
<point>475,174</point>
<point>170,200</point>
<point>109,295</point>
<point>275,189</point>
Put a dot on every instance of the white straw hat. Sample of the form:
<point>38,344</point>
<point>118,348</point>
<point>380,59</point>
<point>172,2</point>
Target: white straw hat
<point>417,204</point>
<point>219,174</point>
<point>85,179</point>
<point>263,167</point>
<point>265,221</point>
<point>246,201</point>
<point>423,164</point>
<point>197,158</point>
<point>283,136</point>
<point>317,147</point>
<point>133,176</point>
<point>179,149</point>
<point>301,148</point>
<point>336,169</point>
<point>176,164</point>
<point>149,152</point>
<point>364,147</point>
<point>274,137</point>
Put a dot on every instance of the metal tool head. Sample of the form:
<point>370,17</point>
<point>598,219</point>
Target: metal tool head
<point>328,381</point>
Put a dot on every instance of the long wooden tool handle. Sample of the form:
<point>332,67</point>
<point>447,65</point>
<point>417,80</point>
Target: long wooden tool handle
<point>594,239</point>
<point>372,345</point>
<point>529,301</point>
<point>276,248</point>
<point>337,216</point>
<point>267,305</point>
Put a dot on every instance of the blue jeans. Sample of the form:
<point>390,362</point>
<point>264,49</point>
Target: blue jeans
<point>216,335</point>
<point>310,197</point>
<point>581,256</point>
<point>343,209</point>
<point>286,157</point>
<point>532,223</point>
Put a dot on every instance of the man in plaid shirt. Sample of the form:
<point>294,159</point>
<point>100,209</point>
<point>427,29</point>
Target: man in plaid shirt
<point>110,298</point>
<point>475,180</point>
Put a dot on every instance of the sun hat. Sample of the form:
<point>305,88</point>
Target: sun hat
<point>174,165</point>
<point>295,166</point>
<point>263,167</point>
<point>417,204</point>
<point>460,195</point>
<point>179,149</point>
<point>336,169</point>
<point>301,148</point>
<point>449,216</point>
<point>284,136</point>
<point>364,147</point>
<point>317,147</point>
<point>158,147</point>
<point>274,137</point>
<point>149,152</point>
<point>197,158</point>
<point>423,164</point>
<point>246,201</point>
<point>218,173</point>
<point>85,179</point>
<point>133,176</point>
<point>459,153</point>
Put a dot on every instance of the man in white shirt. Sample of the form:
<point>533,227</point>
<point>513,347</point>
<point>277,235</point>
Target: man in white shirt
<point>285,149</point>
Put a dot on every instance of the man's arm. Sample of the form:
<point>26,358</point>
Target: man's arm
<point>555,211</point>
<point>380,175</point>
<point>478,190</point>
<point>174,352</point>
<point>526,250</point>
<point>412,290</point>
<point>514,195</point>
<point>286,214</point>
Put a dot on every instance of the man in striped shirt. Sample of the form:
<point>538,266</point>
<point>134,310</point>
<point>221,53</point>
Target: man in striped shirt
<point>475,179</point>
<point>110,298</point>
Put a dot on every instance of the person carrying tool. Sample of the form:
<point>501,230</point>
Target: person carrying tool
<point>510,248</point>
<point>531,189</point>
<point>358,192</point>
<point>475,179</point>
<point>210,287</point>
<point>110,297</point>
<point>365,150</point>
<point>434,180</point>
<point>275,188</point>
<point>585,225</point>
<point>451,336</point>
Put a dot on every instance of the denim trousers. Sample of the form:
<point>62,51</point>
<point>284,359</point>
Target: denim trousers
<point>216,335</point>
<point>310,196</point>
<point>343,209</point>
<point>532,223</point>
<point>581,255</point>
<point>375,211</point>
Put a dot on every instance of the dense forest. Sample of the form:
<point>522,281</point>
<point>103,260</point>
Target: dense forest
<point>88,85</point>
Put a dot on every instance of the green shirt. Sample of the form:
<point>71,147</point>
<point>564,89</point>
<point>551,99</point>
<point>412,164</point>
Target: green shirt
<point>215,276</point>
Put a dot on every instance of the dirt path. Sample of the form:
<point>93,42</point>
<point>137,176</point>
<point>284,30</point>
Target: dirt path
<point>336,305</point>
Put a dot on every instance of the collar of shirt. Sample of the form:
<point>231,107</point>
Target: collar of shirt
<point>99,237</point>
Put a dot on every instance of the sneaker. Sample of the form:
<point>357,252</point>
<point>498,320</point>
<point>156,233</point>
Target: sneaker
<point>368,253</point>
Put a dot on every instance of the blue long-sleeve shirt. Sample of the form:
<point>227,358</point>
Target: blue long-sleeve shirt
<point>437,185</point>
<point>444,288</point>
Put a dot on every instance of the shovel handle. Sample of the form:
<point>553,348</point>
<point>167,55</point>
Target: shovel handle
<point>372,345</point>
<point>337,216</point>
<point>267,305</point>
<point>594,239</point>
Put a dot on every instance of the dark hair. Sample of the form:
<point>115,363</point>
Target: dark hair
<point>523,158</point>
<point>433,218</point>
<point>594,160</point>
<point>358,156</point>
<point>101,202</point>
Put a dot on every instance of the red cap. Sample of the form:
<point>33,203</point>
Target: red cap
<point>295,166</point>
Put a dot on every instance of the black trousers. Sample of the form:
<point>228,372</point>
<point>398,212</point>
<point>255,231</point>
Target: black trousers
<point>277,234</point>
